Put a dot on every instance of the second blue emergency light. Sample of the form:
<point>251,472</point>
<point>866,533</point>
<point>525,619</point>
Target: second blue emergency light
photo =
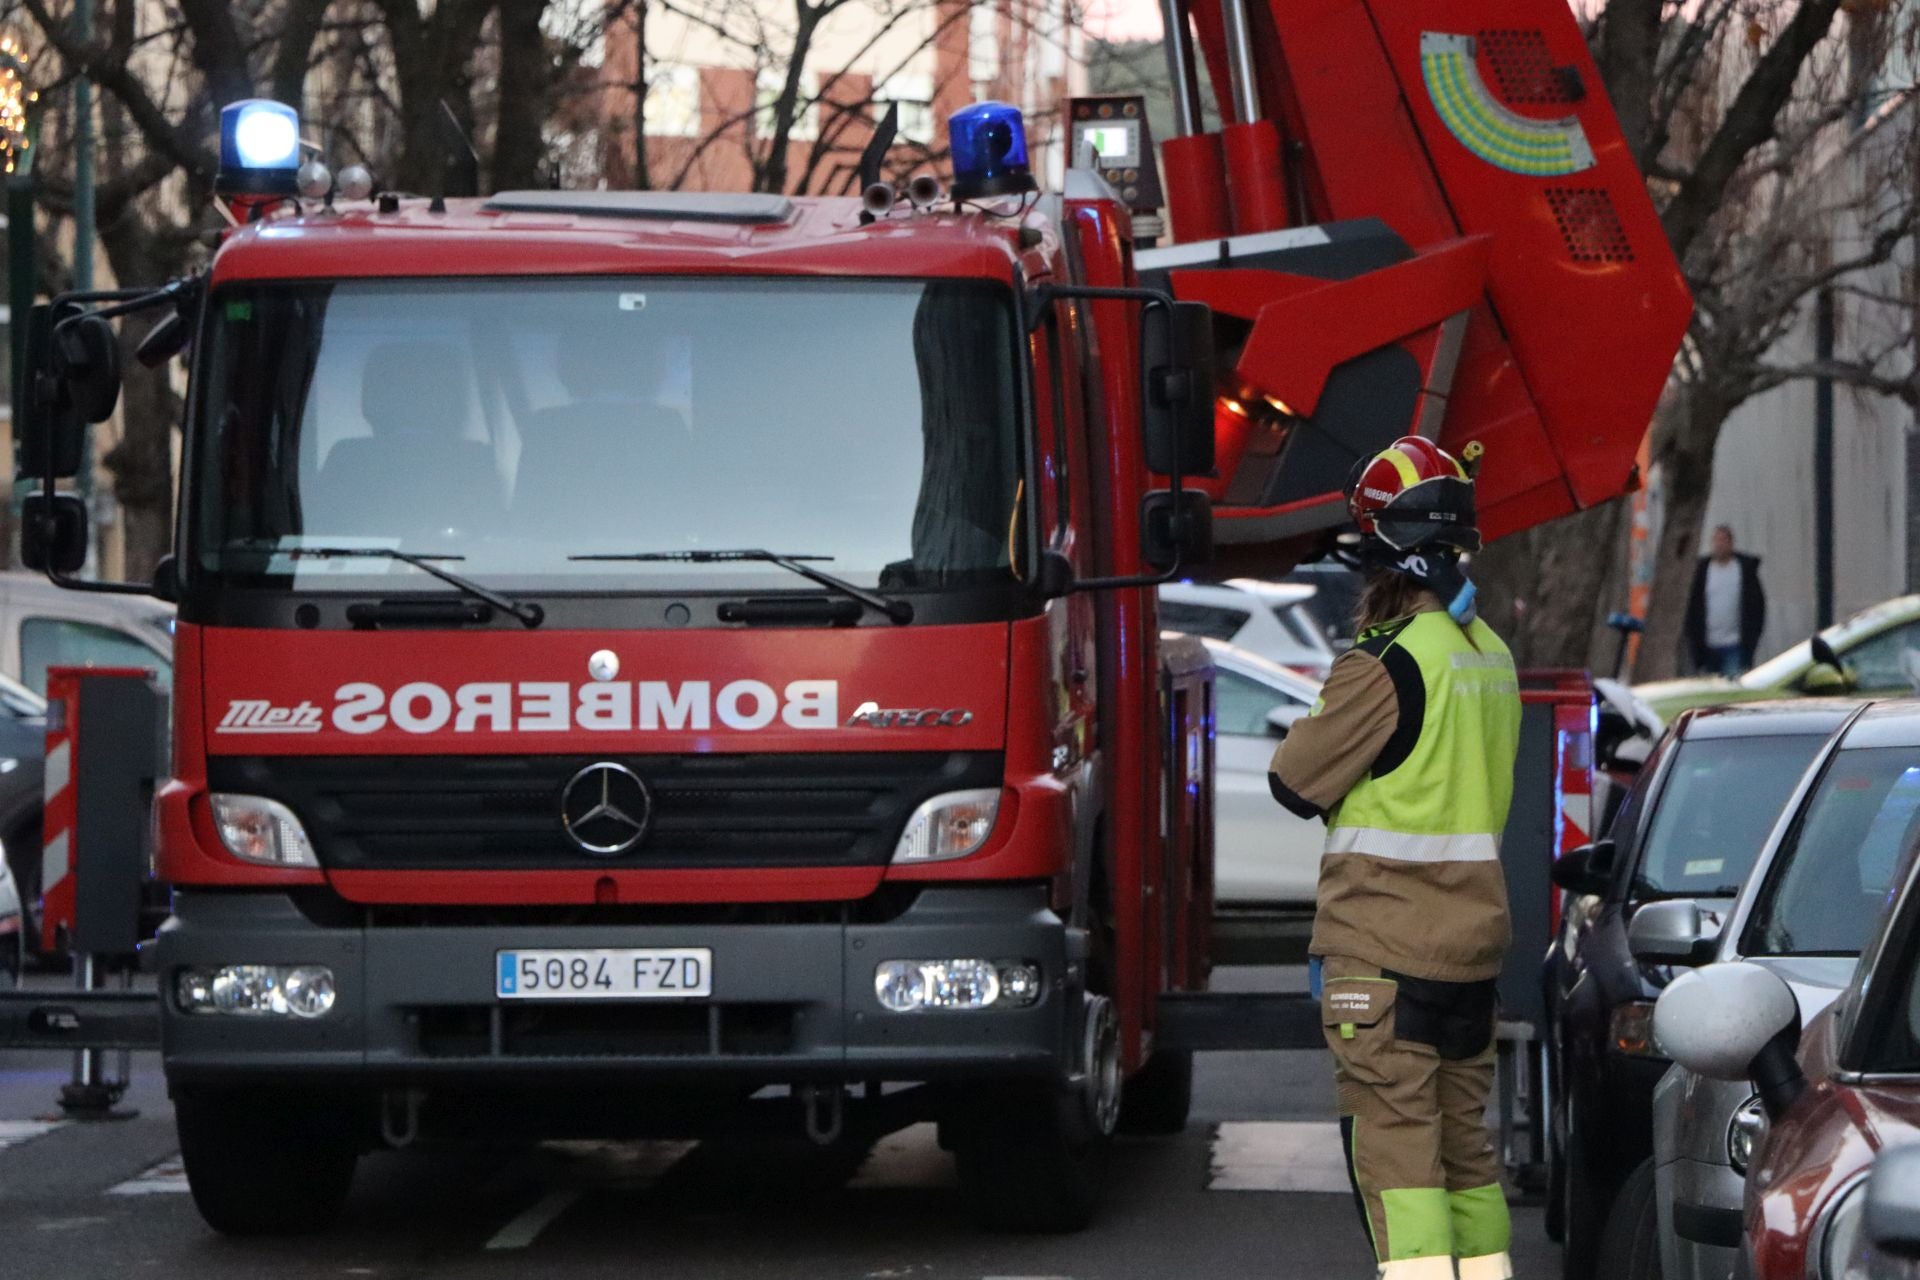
<point>259,148</point>
<point>989,151</point>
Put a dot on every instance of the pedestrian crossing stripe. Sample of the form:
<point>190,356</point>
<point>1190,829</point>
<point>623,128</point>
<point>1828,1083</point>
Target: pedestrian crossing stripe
<point>169,1177</point>
<point>15,1132</point>
<point>1287,1155</point>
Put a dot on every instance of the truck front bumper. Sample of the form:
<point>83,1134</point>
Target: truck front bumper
<point>416,1005</point>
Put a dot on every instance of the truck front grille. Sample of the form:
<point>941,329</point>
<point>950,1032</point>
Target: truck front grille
<point>502,813</point>
<point>599,1029</point>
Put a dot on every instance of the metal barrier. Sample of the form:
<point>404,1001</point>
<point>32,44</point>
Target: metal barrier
<point>105,748</point>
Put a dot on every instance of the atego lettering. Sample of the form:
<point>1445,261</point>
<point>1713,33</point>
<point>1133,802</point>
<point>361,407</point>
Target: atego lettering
<point>543,706</point>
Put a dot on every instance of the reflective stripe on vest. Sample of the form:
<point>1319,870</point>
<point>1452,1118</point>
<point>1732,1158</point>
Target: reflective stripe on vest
<point>1399,845</point>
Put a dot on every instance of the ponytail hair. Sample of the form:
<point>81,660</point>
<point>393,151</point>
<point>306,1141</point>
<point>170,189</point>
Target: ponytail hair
<point>1386,597</point>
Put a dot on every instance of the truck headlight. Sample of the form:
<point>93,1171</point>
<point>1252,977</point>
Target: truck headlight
<point>256,990</point>
<point>949,826</point>
<point>908,986</point>
<point>1845,1253</point>
<point>256,829</point>
<point>1744,1133</point>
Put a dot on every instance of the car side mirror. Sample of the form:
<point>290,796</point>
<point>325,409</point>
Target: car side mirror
<point>1278,723</point>
<point>1893,1202</point>
<point>1672,932</point>
<point>1588,869</point>
<point>1734,1021</point>
<point>1176,351</point>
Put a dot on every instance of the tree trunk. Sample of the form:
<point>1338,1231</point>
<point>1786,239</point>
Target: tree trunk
<point>1548,590</point>
<point>142,462</point>
<point>525,78</point>
<point>1683,448</point>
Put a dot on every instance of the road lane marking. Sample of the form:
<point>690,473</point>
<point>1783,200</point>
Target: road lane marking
<point>526,1228</point>
<point>169,1177</point>
<point>1285,1155</point>
<point>910,1160</point>
<point>15,1132</point>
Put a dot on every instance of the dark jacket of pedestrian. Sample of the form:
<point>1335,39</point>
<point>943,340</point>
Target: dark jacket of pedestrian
<point>1753,612</point>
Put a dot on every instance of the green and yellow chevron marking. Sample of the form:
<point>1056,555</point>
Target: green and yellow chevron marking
<point>1501,137</point>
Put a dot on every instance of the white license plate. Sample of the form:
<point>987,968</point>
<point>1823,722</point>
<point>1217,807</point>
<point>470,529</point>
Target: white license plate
<point>607,973</point>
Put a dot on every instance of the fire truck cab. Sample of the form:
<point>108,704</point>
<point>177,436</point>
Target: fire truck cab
<point>647,660</point>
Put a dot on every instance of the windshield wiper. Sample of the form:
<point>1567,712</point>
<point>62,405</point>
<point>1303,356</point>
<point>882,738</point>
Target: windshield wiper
<point>530,615</point>
<point>897,610</point>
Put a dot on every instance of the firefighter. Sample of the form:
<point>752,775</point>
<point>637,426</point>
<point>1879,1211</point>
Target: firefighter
<point>1409,757</point>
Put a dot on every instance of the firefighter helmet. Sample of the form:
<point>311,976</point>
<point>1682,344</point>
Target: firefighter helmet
<point>1414,494</point>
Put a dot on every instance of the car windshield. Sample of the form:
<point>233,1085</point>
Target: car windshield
<point>505,427</point>
<point>1829,882</point>
<point>1789,662</point>
<point>1705,834</point>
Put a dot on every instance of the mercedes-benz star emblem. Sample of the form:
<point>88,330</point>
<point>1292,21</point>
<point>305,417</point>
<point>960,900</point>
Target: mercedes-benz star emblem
<point>605,808</point>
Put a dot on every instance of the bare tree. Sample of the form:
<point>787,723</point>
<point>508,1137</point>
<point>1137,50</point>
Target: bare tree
<point>1782,169</point>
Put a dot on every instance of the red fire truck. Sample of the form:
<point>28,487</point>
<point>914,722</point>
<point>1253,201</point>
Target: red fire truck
<point>649,660</point>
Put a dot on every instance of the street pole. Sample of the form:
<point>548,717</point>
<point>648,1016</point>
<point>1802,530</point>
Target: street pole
<point>83,209</point>
<point>1823,336</point>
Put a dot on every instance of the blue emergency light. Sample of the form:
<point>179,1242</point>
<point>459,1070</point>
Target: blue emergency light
<point>989,151</point>
<point>259,148</point>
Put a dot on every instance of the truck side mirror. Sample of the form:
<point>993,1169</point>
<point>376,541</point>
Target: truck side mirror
<point>73,378</point>
<point>1893,1202</point>
<point>1176,351</point>
<point>1279,723</point>
<point>1173,534</point>
<point>53,532</point>
<point>1672,932</point>
<point>86,363</point>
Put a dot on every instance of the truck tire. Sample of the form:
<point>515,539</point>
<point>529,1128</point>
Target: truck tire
<point>1159,1098</point>
<point>267,1162</point>
<point>1034,1157</point>
<point>1630,1244</point>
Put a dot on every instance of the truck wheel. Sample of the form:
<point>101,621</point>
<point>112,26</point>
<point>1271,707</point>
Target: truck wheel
<point>1159,1098</point>
<point>1033,1158</point>
<point>266,1163</point>
<point>1630,1245</point>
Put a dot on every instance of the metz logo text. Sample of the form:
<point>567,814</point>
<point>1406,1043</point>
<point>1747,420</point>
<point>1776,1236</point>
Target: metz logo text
<point>257,715</point>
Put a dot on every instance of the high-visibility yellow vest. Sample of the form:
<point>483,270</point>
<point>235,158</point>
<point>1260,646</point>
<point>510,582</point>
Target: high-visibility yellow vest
<point>1441,789</point>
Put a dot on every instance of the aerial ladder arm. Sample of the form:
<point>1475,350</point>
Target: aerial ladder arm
<point>1415,218</point>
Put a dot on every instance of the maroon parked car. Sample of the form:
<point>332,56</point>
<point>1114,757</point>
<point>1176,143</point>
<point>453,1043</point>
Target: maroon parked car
<point>1833,1192</point>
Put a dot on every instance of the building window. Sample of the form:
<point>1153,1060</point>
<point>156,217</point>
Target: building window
<point>914,92</point>
<point>673,102</point>
<point>806,114</point>
<point>983,44</point>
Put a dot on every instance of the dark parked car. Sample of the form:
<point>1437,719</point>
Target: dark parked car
<point>1692,827</point>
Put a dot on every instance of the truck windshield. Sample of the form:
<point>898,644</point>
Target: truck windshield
<point>1830,880</point>
<point>513,426</point>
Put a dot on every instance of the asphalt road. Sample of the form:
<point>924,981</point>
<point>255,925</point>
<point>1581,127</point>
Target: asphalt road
<point>105,1200</point>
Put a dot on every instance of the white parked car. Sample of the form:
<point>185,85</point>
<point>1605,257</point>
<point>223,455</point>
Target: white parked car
<point>42,625</point>
<point>1262,853</point>
<point>11,922</point>
<point>1269,619</point>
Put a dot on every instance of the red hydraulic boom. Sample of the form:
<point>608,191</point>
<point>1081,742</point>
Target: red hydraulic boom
<point>1417,218</point>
